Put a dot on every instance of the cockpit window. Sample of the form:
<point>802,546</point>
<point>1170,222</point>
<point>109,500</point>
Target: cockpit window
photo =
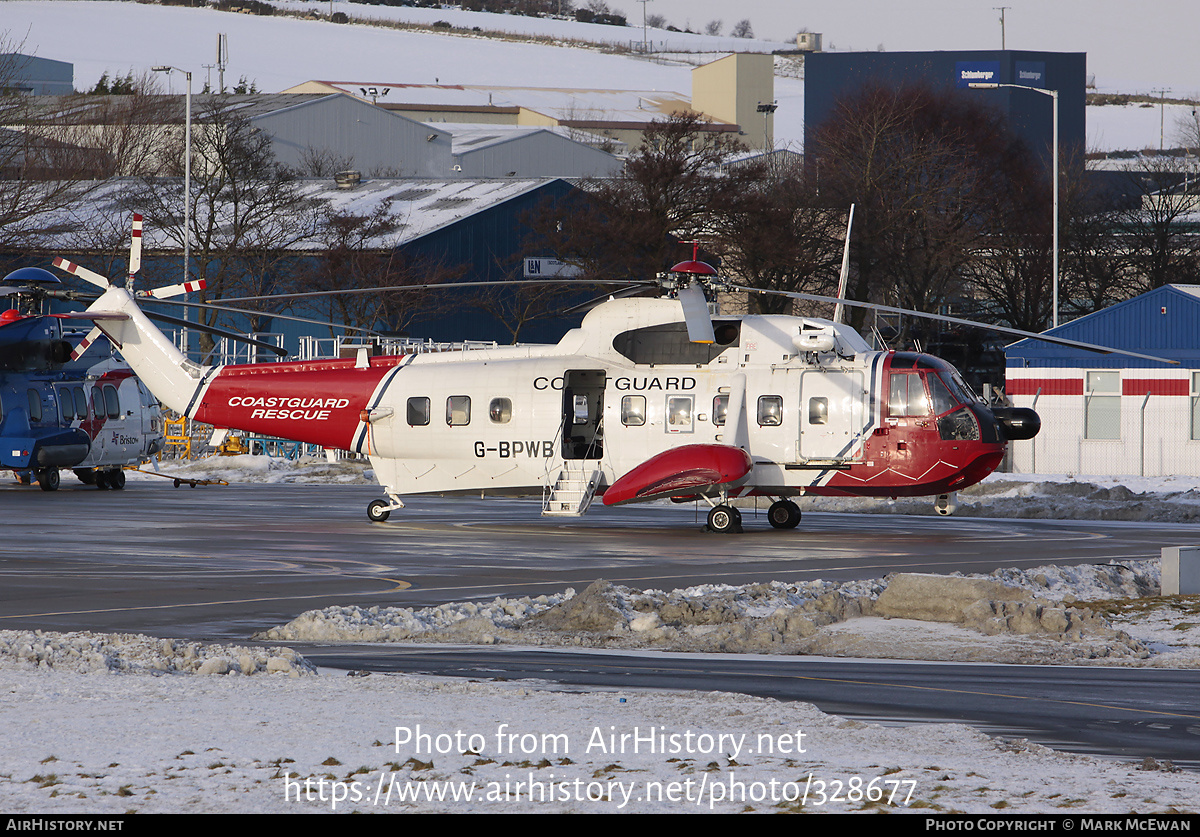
<point>943,401</point>
<point>906,395</point>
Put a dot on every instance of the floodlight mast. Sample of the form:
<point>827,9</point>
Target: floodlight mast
<point>187,184</point>
<point>1053,94</point>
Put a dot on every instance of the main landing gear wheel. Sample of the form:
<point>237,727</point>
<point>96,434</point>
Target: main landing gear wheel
<point>48,479</point>
<point>116,480</point>
<point>378,510</point>
<point>724,520</point>
<point>784,514</point>
<point>102,480</point>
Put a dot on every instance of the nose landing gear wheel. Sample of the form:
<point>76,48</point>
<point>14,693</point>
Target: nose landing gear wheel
<point>378,511</point>
<point>725,520</point>
<point>784,514</point>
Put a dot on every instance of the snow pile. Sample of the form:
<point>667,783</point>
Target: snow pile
<point>87,653</point>
<point>1047,497</point>
<point>395,624</point>
<point>1012,615</point>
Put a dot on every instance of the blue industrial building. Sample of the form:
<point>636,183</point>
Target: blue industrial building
<point>829,77</point>
<point>33,76</point>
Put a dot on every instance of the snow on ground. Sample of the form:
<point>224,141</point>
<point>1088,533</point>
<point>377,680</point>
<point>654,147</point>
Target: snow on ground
<point>123,723</point>
<point>278,53</point>
<point>383,743</point>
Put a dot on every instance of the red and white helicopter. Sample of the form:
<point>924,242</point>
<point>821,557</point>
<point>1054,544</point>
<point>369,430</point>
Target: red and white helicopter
<point>647,399</point>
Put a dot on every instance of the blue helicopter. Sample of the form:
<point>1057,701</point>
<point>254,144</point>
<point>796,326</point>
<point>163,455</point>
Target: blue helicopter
<point>62,408</point>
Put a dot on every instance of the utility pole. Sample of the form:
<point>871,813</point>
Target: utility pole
<point>645,45</point>
<point>222,59</point>
<point>1001,10</point>
<point>1162,100</point>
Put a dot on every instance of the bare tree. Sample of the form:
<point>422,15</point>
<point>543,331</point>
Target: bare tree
<point>922,166</point>
<point>771,233</point>
<point>247,214</point>
<point>358,253</point>
<point>713,27</point>
<point>742,29</point>
<point>626,227</point>
<point>41,175</point>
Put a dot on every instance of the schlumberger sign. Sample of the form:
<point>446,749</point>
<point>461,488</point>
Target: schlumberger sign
<point>976,72</point>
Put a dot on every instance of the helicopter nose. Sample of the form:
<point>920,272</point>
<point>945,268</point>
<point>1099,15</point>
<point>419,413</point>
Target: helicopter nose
<point>1017,423</point>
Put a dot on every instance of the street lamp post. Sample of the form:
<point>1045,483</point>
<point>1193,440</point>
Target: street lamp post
<point>187,185</point>
<point>1053,94</point>
<point>766,109</point>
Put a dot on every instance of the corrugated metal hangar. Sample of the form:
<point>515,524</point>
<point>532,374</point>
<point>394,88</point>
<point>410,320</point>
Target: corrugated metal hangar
<point>1110,413</point>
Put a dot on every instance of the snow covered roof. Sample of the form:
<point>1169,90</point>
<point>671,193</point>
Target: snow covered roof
<point>582,107</point>
<point>422,205</point>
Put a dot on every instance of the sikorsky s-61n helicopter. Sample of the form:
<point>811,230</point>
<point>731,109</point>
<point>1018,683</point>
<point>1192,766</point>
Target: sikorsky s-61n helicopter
<point>649,398</point>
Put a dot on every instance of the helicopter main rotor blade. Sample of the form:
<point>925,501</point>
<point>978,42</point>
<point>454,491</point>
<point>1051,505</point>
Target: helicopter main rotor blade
<point>259,313</point>
<point>695,314</point>
<point>444,286</point>
<point>888,309</point>
<point>219,332</point>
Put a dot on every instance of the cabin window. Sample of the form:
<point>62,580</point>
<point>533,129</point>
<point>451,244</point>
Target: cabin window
<point>680,414</point>
<point>112,406</point>
<point>633,410</point>
<point>66,405</point>
<point>720,410</point>
<point>418,411</point>
<point>581,409</point>
<point>500,410</point>
<point>770,410</point>
<point>80,402</point>
<point>818,410</point>
<point>906,395</point>
<point>1102,405</point>
<point>35,405</point>
<point>458,410</point>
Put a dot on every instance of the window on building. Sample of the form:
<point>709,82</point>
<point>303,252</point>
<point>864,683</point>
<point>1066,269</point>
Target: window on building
<point>1102,405</point>
<point>1195,405</point>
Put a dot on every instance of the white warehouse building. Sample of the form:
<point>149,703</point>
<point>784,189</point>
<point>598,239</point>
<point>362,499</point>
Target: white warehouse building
<point>1111,414</point>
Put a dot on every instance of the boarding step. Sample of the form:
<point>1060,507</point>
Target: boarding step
<point>571,491</point>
